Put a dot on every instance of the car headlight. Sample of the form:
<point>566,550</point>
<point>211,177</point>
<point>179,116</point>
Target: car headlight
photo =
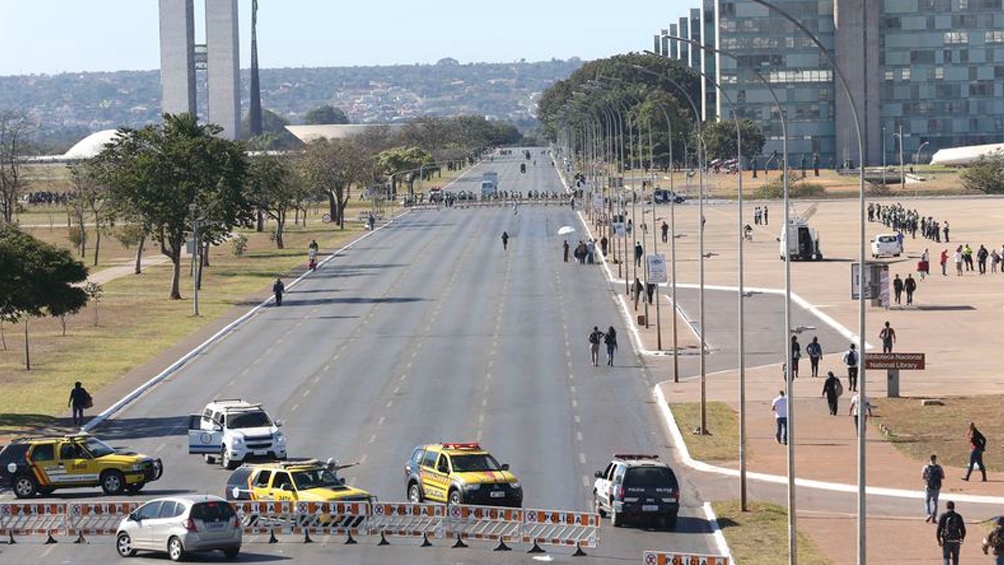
<point>280,439</point>
<point>137,467</point>
<point>474,486</point>
<point>514,485</point>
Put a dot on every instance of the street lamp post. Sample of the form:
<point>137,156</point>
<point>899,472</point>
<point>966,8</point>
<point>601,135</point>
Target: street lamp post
<point>916,161</point>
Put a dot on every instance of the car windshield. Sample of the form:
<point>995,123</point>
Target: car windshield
<point>98,448</point>
<point>475,462</point>
<point>317,478</point>
<point>253,419</point>
<point>646,477</point>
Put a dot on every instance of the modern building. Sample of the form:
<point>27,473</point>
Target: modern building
<point>180,58</point>
<point>927,74</point>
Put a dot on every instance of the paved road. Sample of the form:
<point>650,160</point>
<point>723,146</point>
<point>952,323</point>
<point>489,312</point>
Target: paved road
<point>428,331</point>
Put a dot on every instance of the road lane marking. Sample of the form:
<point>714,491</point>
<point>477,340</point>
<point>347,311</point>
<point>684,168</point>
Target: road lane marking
<point>295,406</point>
<point>577,421</point>
<point>585,481</point>
<point>372,438</point>
<point>582,458</point>
<point>381,420</point>
<point>159,447</point>
<point>578,437</point>
<point>362,459</point>
<point>397,389</point>
<point>305,393</point>
<point>390,403</point>
<point>575,403</point>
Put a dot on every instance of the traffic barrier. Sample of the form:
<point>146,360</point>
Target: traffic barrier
<point>264,516</point>
<point>33,518</point>
<point>407,519</point>
<point>96,519</point>
<point>329,518</point>
<point>484,523</point>
<point>666,558</point>
<point>565,529</point>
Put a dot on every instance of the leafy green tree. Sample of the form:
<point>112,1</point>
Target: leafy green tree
<point>333,167</point>
<point>274,188</point>
<point>37,279</point>
<point>406,160</point>
<point>986,174</point>
<point>89,201</point>
<point>173,174</point>
<point>14,129</point>
<point>274,135</point>
<point>720,139</point>
<point>326,114</point>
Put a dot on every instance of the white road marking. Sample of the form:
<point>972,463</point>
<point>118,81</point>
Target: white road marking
<point>305,393</point>
<point>372,438</point>
<point>575,403</point>
<point>585,481</point>
<point>577,420</point>
<point>159,447</point>
<point>478,436</point>
<point>578,437</point>
<point>484,402</point>
<point>582,458</point>
<point>481,418</point>
<point>397,389</point>
<point>390,403</point>
<point>327,367</point>
<point>293,409</point>
<point>381,420</point>
<point>571,388</point>
<point>317,379</point>
<point>362,459</point>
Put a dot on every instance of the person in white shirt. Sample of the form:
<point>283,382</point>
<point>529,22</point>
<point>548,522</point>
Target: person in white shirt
<point>853,411</point>
<point>780,409</point>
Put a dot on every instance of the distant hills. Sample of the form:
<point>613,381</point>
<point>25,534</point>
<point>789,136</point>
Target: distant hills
<point>67,107</point>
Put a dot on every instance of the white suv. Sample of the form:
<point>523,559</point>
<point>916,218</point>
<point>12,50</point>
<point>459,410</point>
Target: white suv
<point>235,431</point>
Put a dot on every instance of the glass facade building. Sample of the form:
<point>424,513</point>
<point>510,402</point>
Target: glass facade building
<point>931,69</point>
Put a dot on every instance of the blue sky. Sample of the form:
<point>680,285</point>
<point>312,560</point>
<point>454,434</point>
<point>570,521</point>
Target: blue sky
<point>53,36</point>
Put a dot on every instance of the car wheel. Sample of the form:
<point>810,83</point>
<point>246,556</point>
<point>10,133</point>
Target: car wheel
<point>112,482</point>
<point>231,552</point>
<point>25,486</point>
<point>226,462</point>
<point>210,459</point>
<point>616,519</point>
<point>123,545</point>
<point>414,493</point>
<point>135,487</point>
<point>175,550</point>
<point>455,497</point>
<point>598,507</point>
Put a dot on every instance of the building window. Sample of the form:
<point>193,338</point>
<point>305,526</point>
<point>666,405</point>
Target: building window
<point>939,73</point>
<point>963,4</point>
<point>999,124</point>
<point>994,36</point>
<point>889,74</point>
<point>906,73</point>
<point>956,37</point>
<point>947,56</point>
<point>922,57</point>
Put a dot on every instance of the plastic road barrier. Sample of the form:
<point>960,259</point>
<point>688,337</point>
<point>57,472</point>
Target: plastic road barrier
<point>407,519</point>
<point>567,529</point>
<point>665,558</point>
<point>484,523</point>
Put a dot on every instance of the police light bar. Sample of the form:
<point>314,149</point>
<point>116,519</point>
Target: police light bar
<point>462,445</point>
<point>634,456</point>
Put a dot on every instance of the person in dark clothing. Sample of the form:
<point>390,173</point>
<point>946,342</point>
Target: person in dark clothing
<point>796,354</point>
<point>951,533</point>
<point>665,232</point>
<point>897,288</point>
<point>638,253</point>
<point>981,259</point>
<point>637,288</point>
<point>832,390</point>
<point>79,400</point>
<point>977,445</point>
<point>888,337</point>
<point>595,337</point>
<point>610,339</point>
<point>505,241</point>
<point>909,285</point>
<point>564,249</point>
<point>815,352</point>
<point>603,245</point>
<point>278,288</point>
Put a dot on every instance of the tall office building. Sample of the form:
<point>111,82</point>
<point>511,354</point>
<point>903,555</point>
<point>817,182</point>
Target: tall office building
<point>180,58</point>
<point>931,69</point>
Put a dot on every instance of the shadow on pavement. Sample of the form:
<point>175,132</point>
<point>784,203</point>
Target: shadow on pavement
<point>113,431</point>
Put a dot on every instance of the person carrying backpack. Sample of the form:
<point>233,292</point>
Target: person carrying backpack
<point>995,541</point>
<point>933,474</point>
<point>951,533</point>
<point>594,345</point>
<point>851,361</point>
<point>977,445</point>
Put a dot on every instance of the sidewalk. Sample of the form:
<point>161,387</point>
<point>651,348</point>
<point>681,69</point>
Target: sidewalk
<point>950,314</point>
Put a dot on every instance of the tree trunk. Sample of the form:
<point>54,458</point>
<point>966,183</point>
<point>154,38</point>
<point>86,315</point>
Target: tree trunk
<point>174,254</point>
<point>260,224</point>
<point>333,206</point>
<point>139,255</point>
<point>97,241</point>
<point>27,352</point>
<point>280,227</point>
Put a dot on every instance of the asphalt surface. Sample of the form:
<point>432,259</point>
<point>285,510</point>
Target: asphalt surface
<point>426,330</point>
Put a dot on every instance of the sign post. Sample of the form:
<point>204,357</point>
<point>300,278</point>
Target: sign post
<point>893,363</point>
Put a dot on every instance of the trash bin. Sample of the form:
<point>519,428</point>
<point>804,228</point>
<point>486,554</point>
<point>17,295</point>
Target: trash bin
<point>641,319</point>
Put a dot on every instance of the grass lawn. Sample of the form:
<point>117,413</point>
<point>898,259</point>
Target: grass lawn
<point>760,536</point>
<point>722,443</point>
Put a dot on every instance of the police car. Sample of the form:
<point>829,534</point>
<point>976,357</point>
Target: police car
<point>309,479</point>
<point>639,487</point>
<point>460,473</point>
<point>36,466</point>
<point>232,431</point>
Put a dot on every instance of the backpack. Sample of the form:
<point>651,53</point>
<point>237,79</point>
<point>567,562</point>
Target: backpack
<point>953,528</point>
<point>852,358</point>
<point>997,541</point>
<point>934,474</point>
<point>838,389</point>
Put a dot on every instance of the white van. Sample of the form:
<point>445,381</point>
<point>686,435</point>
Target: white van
<point>886,244</point>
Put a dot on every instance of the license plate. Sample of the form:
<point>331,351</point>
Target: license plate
<point>497,494</point>
<point>214,526</point>
<point>259,451</point>
<point>649,507</point>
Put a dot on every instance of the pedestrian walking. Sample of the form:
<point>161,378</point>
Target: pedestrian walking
<point>595,337</point>
<point>897,288</point>
<point>765,222</point>
<point>951,533</point>
<point>977,445</point>
<point>851,362</point>
<point>932,475</point>
<point>910,286</point>
<point>957,257</point>
<point>604,242</point>
<point>665,231</point>
<point>944,262</point>
<point>637,288</point>
<point>888,337</point>
<point>924,265</point>
<point>638,252</point>
<point>780,409</point>
<point>994,542</point>
<point>278,288</point>
<point>80,400</point>
<point>857,405</point>
<point>796,354</point>
<point>832,390</point>
<point>564,249</point>
<point>815,352</point>
<point>505,241</point>
<point>610,340</point>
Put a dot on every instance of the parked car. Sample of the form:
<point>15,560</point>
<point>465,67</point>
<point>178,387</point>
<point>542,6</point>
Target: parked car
<point>179,525</point>
<point>886,244</point>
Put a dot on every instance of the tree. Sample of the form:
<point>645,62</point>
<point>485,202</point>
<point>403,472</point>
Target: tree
<point>408,160</point>
<point>333,167</point>
<point>174,174</point>
<point>274,188</point>
<point>13,137</point>
<point>274,134</point>
<point>37,279</point>
<point>326,114</point>
<point>89,200</point>
<point>986,174</point>
<point>720,139</point>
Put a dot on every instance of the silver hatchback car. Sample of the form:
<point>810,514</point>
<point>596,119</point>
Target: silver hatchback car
<point>179,525</point>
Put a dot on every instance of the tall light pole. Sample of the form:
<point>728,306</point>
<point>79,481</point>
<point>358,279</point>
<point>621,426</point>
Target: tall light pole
<point>916,161</point>
<point>902,171</point>
<point>862,427</point>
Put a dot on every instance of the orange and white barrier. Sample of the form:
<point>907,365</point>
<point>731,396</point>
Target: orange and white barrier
<point>407,519</point>
<point>666,558</point>
<point>567,529</point>
<point>484,523</point>
<point>264,516</point>
<point>328,518</point>
<point>96,519</point>
<point>32,519</point>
